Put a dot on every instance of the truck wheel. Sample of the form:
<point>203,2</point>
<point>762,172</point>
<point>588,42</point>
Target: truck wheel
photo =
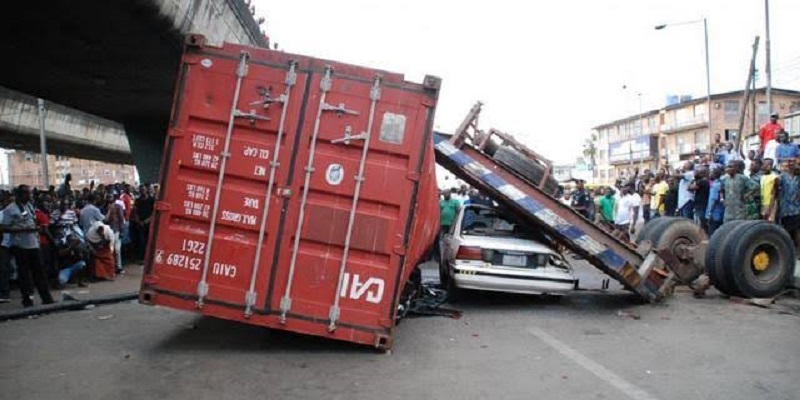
<point>672,235</point>
<point>650,227</point>
<point>714,252</point>
<point>760,259</point>
<point>525,167</point>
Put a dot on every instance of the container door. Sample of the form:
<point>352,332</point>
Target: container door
<point>221,202</point>
<point>343,241</point>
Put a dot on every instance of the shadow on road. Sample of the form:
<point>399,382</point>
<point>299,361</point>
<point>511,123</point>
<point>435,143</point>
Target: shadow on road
<point>211,335</point>
<point>594,302</point>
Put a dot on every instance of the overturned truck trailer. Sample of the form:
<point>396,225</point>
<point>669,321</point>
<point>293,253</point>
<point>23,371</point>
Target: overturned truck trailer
<point>669,255</point>
<point>296,193</point>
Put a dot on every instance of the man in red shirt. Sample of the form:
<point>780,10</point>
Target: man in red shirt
<point>769,131</point>
<point>42,217</point>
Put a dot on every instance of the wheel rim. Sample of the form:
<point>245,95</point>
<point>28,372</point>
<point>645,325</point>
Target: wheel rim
<point>765,263</point>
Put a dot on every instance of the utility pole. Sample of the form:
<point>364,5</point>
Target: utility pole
<point>708,81</point>
<point>43,144</point>
<point>743,107</point>
<point>769,63</point>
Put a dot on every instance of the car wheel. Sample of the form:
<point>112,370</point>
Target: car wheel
<point>760,259</point>
<point>713,257</point>
<point>527,168</point>
<point>673,234</point>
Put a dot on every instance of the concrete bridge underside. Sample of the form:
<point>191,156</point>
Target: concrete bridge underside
<point>114,59</point>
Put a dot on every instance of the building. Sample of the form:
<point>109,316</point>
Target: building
<point>26,168</point>
<point>671,134</point>
<point>566,172</point>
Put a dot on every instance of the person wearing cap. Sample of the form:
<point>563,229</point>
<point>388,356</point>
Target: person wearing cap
<point>769,131</point>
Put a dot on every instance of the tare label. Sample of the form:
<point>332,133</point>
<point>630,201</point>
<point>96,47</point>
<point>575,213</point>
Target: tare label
<point>357,288</point>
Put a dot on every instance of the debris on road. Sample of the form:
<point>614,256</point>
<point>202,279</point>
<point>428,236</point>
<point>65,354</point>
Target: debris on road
<point>628,314</point>
<point>105,317</point>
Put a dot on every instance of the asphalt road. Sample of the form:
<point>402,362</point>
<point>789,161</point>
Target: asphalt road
<point>588,345</point>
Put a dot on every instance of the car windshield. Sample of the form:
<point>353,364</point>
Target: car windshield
<point>482,221</point>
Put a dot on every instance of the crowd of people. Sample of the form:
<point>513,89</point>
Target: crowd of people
<point>712,189</point>
<point>56,237</point>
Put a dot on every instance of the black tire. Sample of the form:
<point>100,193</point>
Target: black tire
<point>676,232</point>
<point>713,257</point>
<point>651,226</point>
<point>525,167</point>
<point>759,259</point>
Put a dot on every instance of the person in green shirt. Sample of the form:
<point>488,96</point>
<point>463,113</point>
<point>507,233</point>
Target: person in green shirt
<point>607,207</point>
<point>448,209</point>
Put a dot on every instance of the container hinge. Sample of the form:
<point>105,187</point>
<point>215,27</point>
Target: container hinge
<point>400,250</point>
<point>339,109</point>
<point>375,91</point>
<point>291,76</point>
<point>325,83</point>
<point>333,315</point>
<point>286,305</point>
<point>241,72</point>
<point>249,302</point>
<point>348,136</point>
<point>202,291</point>
<point>413,176</point>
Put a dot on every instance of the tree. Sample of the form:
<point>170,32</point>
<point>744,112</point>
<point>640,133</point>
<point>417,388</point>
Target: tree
<point>590,151</point>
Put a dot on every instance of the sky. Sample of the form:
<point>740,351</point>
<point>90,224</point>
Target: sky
<point>547,71</point>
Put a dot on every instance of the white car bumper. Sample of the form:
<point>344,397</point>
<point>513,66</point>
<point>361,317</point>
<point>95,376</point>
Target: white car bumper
<point>544,281</point>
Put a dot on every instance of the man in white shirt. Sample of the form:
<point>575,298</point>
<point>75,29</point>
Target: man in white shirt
<point>627,211</point>
<point>770,150</point>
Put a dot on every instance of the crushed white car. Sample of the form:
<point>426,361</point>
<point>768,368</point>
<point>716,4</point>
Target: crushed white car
<point>486,250</point>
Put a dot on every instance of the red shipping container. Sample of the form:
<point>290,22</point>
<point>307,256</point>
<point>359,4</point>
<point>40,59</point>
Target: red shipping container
<point>296,193</point>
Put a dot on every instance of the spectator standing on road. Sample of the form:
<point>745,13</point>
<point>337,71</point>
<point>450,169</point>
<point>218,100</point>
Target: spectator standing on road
<point>786,151</point>
<point>769,132</point>
<point>90,213</point>
<point>627,211</point>
<point>700,187</point>
<point>607,208</point>
<point>115,217</point>
<point>736,189</point>
<point>19,220</point>
<point>751,155</point>
<point>658,200</point>
<point>462,195</point>
<point>729,154</point>
<point>5,256</point>
<point>715,211</point>
<point>140,220</point>
<point>685,195</point>
<point>767,183</point>
<point>581,201</point>
<point>671,201</point>
<point>64,214</point>
<point>646,193</point>
<point>448,209</point>
<point>49,257</point>
<point>65,189</point>
<point>787,199</point>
